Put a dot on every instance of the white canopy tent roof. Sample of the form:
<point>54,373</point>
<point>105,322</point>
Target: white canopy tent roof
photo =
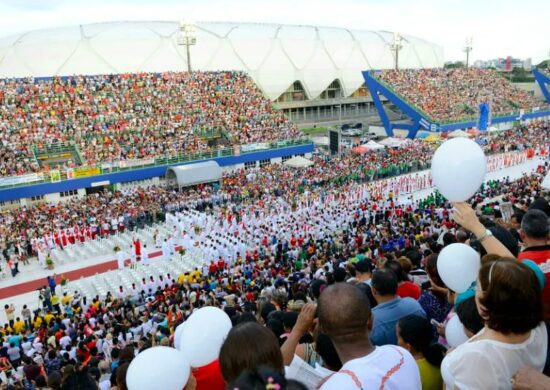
<point>322,141</point>
<point>372,145</point>
<point>459,134</point>
<point>298,162</point>
<point>193,174</point>
<point>392,142</point>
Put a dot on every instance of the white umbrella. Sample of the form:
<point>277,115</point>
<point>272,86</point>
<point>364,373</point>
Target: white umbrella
<point>391,141</point>
<point>459,134</point>
<point>371,145</point>
<point>298,162</point>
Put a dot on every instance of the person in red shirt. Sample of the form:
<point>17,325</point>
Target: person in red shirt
<point>212,268</point>
<point>137,248</point>
<point>405,287</point>
<point>209,377</point>
<point>221,263</point>
<point>293,241</point>
<point>535,234</point>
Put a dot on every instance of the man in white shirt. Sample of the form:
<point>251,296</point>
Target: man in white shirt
<point>345,316</point>
<point>120,258</point>
<point>166,250</point>
<point>64,341</point>
<point>144,255</point>
<point>26,346</point>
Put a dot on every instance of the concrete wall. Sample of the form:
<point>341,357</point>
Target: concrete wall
<point>531,87</point>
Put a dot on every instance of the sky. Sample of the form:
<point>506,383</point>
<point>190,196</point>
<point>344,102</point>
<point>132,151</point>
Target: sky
<point>498,27</point>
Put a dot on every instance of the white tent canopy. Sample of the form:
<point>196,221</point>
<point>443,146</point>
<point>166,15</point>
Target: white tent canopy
<point>459,134</point>
<point>298,162</point>
<point>392,142</point>
<point>193,174</point>
<point>371,145</point>
<point>321,141</point>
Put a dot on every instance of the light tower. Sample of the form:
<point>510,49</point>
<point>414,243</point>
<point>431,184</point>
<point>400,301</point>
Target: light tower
<point>187,37</point>
<point>396,46</point>
<point>468,47</point>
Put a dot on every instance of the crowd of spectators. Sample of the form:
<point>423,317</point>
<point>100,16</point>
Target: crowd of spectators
<point>24,231</point>
<point>339,310</point>
<point>113,118</point>
<point>452,95</point>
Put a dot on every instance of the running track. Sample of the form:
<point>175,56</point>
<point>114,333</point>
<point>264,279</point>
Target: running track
<point>31,285</point>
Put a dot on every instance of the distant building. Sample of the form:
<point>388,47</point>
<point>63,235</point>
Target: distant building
<point>504,64</point>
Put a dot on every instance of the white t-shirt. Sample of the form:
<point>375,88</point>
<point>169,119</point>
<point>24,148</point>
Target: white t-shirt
<point>389,367</point>
<point>489,364</point>
<point>64,341</point>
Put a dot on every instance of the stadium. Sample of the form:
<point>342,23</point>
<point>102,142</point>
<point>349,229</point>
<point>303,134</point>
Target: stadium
<point>165,184</point>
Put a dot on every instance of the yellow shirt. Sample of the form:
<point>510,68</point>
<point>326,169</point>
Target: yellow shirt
<point>55,300</point>
<point>429,375</point>
<point>37,322</point>
<point>66,300</point>
<point>196,274</point>
<point>181,278</point>
<point>48,318</point>
<point>18,326</point>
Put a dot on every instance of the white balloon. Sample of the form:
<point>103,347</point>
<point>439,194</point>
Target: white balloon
<point>177,335</point>
<point>158,368</point>
<point>458,169</point>
<point>454,332</point>
<point>458,266</point>
<point>204,334</point>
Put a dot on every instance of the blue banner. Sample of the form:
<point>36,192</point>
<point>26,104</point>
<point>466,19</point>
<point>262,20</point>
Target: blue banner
<point>484,110</point>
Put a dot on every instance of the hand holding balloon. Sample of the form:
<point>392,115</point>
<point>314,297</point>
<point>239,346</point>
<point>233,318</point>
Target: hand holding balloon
<point>465,216</point>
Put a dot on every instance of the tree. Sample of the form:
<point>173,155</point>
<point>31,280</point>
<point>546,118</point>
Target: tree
<point>454,65</point>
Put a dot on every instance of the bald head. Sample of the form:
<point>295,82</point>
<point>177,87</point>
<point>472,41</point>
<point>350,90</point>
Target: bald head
<point>344,312</point>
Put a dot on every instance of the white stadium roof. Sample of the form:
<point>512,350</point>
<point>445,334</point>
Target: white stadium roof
<point>274,55</point>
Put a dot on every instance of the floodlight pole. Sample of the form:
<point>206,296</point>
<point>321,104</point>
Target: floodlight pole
<point>188,38</point>
<point>468,47</point>
<point>396,46</point>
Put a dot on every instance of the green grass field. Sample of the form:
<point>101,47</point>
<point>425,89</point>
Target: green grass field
<point>314,130</point>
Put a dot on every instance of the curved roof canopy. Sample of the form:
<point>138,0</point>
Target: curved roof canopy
<point>274,55</point>
<point>193,174</point>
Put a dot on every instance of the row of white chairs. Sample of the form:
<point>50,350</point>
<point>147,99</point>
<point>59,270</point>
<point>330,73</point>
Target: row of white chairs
<point>100,284</point>
<point>105,245</point>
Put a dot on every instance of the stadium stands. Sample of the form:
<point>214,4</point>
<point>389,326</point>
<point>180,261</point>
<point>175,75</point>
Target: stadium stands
<point>454,95</point>
<point>112,118</point>
<point>48,226</point>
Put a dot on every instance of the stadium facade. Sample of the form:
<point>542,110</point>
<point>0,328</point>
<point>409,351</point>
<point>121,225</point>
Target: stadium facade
<point>312,73</point>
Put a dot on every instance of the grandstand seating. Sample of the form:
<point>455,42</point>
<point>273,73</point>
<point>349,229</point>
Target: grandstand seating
<point>113,118</point>
<point>454,95</point>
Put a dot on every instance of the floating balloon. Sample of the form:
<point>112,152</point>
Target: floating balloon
<point>177,335</point>
<point>158,368</point>
<point>546,182</point>
<point>458,169</point>
<point>454,332</point>
<point>203,335</point>
<point>458,266</point>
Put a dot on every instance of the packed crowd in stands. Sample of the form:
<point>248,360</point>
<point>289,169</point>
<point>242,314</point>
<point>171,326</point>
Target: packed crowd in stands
<point>337,311</point>
<point>114,118</point>
<point>46,226</point>
<point>455,94</point>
